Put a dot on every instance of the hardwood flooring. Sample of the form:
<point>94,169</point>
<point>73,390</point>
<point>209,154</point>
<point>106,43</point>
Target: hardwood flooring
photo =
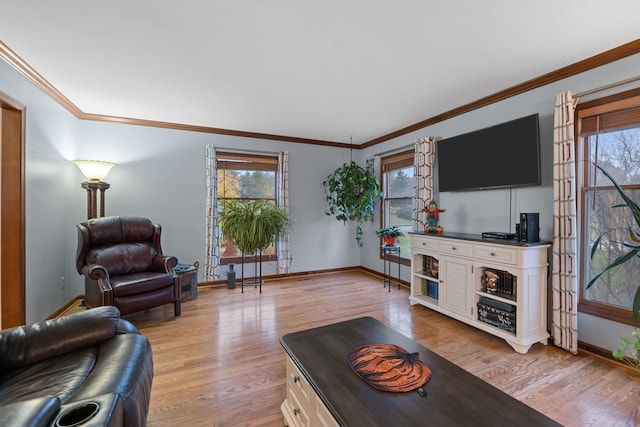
<point>221,363</point>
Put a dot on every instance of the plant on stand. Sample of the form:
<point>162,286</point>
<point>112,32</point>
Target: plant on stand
<point>389,234</point>
<point>253,225</point>
<point>351,191</point>
<point>629,352</point>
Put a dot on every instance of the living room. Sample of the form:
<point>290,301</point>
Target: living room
<point>160,175</point>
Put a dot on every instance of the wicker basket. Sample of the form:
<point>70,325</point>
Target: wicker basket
<point>187,279</point>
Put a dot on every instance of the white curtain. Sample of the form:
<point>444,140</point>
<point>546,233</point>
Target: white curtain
<point>564,328</point>
<point>423,179</point>
<point>212,251</point>
<point>282,196</point>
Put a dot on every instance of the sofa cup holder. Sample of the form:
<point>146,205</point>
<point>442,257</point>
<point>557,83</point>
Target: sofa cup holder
<point>78,415</point>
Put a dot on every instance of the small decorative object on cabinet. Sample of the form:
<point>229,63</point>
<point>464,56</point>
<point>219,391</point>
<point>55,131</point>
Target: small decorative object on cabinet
<point>499,287</point>
<point>433,216</point>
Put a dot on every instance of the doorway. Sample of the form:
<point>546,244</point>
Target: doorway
<point>12,213</point>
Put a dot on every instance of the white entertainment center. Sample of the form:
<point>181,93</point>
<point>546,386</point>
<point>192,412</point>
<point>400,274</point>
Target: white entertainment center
<point>498,286</point>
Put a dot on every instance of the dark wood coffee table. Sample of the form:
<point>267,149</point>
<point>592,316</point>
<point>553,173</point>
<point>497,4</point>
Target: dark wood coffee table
<point>454,396</point>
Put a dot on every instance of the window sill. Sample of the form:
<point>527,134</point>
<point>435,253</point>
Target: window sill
<point>247,259</point>
<point>615,314</point>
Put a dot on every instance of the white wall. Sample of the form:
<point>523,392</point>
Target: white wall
<point>497,210</point>
<point>50,137</point>
<point>160,174</point>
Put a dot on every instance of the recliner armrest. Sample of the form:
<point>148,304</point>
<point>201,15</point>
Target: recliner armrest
<point>164,263</point>
<point>25,345</point>
<point>32,412</point>
<point>94,271</point>
<point>126,327</point>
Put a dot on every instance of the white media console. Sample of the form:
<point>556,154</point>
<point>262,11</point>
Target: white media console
<point>498,286</point>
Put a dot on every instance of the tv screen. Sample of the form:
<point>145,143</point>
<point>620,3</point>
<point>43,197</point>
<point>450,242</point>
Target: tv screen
<point>504,155</point>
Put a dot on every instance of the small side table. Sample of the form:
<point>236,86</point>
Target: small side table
<point>387,251</point>
<point>187,280</point>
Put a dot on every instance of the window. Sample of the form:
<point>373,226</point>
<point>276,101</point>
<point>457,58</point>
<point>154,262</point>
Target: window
<point>397,202</point>
<point>244,177</point>
<point>609,135</point>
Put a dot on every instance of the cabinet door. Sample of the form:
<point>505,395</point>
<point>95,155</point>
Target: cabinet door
<point>455,286</point>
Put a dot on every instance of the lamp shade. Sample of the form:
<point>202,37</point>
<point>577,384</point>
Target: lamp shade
<point>94,170</point>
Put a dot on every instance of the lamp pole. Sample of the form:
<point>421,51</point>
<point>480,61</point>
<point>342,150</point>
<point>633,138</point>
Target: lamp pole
<point>92,187</point>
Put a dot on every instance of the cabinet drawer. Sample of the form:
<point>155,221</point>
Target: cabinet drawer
<point>297,412</point>
<point>324,417</point>
<point>298,384</point>
<point>454,247</point>
<point>504,255</point>
<point>422,243</point>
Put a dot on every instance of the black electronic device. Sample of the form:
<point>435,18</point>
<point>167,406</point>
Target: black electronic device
<point>498,235</point>
<point>530,227</point>
<point>500,156</point>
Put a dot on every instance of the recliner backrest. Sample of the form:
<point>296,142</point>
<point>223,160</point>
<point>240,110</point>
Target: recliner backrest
<point>123,245</point>
<point>123,258</point>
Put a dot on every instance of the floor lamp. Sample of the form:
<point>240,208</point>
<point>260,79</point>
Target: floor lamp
<point>95,171</point>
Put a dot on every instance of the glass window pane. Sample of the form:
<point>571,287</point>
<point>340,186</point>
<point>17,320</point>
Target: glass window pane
<point>257,184</point>
<point>399,182</point>
<point>247,185</point>
<point>228,184</point>
<point>617,152</point>
<point>618,286</point>
<point>400,212</point>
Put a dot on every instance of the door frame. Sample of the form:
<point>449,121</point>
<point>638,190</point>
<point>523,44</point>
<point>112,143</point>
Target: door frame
<point>12,212</point>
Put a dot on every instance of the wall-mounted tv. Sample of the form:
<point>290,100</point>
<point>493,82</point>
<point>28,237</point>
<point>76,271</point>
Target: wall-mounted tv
<point>504,155</point>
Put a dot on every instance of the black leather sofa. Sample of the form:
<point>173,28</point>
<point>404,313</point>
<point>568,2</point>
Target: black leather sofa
<point>90,364</point>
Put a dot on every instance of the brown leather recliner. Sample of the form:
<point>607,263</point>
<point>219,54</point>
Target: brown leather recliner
<point>52,371</point>
<point>122,261</point>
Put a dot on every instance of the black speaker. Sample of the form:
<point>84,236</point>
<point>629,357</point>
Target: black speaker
<point>530,227</point>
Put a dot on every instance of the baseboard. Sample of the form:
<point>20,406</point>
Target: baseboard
<point>600,352</point>
<point>69,306</point>
<point>272,277</point>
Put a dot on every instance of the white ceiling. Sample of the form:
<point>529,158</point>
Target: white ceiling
<point>325,70</point>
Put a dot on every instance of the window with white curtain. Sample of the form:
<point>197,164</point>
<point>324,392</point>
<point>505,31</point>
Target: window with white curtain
<point>244,177</point>
<point>609,135</point>
<point>397,201</point>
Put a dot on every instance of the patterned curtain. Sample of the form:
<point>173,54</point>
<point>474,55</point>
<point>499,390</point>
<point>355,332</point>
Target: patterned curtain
<point>212,251</point>
<point>423,178</point>
<point>282,195</point>
<point>564,327</point>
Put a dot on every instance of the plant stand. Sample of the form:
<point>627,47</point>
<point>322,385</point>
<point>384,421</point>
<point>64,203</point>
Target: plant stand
<point>257,279</point>
<point>387,251</point>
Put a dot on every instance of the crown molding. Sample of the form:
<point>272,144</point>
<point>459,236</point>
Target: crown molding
<point>34,77</point>
<point>596,61</point>
<point>599,60</point>
<point>37,79</point>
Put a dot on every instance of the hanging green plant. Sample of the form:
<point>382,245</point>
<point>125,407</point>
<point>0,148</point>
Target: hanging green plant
<point>351,191</point>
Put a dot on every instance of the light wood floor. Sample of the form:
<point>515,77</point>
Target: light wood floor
<point>221,364</point>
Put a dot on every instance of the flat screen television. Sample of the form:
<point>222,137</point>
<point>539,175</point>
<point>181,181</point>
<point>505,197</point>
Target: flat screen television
<point>504,155</point>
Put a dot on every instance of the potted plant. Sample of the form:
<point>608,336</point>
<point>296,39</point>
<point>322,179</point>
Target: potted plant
<point>351,191</point>
<point>628,351</point>
<point>389,234</point>
<point>253,225</point>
